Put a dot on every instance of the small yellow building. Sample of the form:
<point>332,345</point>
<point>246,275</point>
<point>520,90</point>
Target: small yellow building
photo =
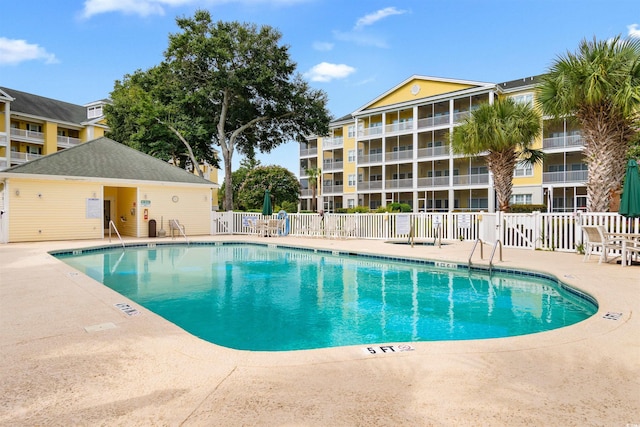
<point>80,192</point>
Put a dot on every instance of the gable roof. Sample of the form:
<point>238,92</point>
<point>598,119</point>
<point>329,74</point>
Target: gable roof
<point>452,86</point>
<point>39,106</point>
<point>106,158</point>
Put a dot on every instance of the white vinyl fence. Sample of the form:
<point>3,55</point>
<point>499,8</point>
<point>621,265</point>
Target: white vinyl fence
<point>545,231</point>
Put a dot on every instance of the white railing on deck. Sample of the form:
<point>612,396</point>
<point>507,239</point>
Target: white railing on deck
<point>544,231</point>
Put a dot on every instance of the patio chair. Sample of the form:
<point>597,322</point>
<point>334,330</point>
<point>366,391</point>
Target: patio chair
<point>596,237</point>
<point>274,227</point>
<point>174,225</point>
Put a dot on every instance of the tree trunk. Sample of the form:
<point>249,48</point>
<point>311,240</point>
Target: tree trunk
<point>502,164</point>
<point>606,146</point>
<point>228,193</point>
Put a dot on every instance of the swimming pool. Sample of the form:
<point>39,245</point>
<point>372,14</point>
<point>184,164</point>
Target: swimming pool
<point>274,298</point>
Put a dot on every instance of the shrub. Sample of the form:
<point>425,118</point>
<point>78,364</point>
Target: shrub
<point>527,208</point>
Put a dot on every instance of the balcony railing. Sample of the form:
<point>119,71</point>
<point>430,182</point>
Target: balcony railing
<point>434,181</point>
<point>17,157</point>
<point>370,158</point>
<point>306,193</point>
<point>3,163</point>
<point>398,183</point>
<point>474,179</point>
<point>328,166</point>
<point>27,135</point>
<point>433,121</point>
<point>306,152</point>
<point>3,138</point>
<point>332,189</point>
<point>68,141</point>
<point>369,185</point>
<point>399,155</point>
<point>566,176</point>
<point>370,131</point>
<point>460,116</point>
<point>399,127</point>
<point>331,143</point>
<point>433,151</point>
<point>564,141</point>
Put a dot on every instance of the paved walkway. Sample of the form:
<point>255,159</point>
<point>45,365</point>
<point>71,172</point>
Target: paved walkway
<point>143,370</point>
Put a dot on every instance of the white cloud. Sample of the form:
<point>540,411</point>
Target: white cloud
<point>374,17</point>
<point>130,7</point>
<point>361,39</point>
<point>323,46</point>
<point>157,7</point>
<point>634,31</point>
<point>325,72</point>
<point>16,51</point>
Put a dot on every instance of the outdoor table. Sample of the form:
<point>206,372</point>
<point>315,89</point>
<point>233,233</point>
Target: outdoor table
<point>626,238</point>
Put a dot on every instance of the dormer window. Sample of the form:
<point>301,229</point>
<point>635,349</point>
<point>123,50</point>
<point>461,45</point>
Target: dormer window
<point>94,111</point>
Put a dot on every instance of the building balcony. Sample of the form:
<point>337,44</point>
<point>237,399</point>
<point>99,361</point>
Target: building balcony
<point>308,152</point>
<point>3,163</point>
<point>370,158</point>
<point>332,189</point>
<point>460,116</point>
<point>27,136</point>
<point>564,141</point>
<point>434,181</point>
<point>370,131</point>
<point>4,139</point>
<point>398,183</point>
<point>434,121</point>
<point>369,185</point>
<point>403,127</point>
<point>433,151</point>
<point>332,143</point>
<point>399,155</point>
<point>330,165</point>
<point>305,192</point>
<point>68,141</point>
<point>19,158</point>
<point>564,177</point>
<point>475,179</point>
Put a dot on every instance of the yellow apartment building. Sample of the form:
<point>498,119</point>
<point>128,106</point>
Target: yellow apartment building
<point>396,149</point>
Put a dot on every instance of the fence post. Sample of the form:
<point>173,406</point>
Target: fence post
<point>537,236</point>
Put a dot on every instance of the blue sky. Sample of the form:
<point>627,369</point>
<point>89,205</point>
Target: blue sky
<point>74,50</point>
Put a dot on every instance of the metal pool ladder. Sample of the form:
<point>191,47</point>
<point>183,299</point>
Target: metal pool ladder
<point>112,224</point>
<point>474,249</point>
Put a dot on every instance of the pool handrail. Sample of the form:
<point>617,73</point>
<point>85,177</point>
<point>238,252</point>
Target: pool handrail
<point>112,224</point>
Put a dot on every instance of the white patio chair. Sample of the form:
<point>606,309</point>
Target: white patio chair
<point>596,237</point>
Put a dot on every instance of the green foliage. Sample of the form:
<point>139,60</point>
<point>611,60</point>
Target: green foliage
<point>284,186</point>
<point>289,207</point>
<point>398,207</point>
<point>358,209</point>
<point>527,208</point>
<point>239,175</point>
<point>242,85</point>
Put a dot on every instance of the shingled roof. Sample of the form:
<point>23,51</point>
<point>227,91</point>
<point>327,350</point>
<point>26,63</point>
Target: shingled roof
<point>106,158</point>
<point>34,105</point>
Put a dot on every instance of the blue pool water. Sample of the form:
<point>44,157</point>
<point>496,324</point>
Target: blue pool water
<point>257,297</point>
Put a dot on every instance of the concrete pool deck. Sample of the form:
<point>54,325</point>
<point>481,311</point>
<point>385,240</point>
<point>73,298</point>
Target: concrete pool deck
<point>71,357</point>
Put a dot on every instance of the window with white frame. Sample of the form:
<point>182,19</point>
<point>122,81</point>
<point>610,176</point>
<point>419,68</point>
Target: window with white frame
<point>351,131</point>
<point>351,156</point>
<point>351,203</point>
<point>521,199</point>
<point>352,180</point>
<point>523,169</point>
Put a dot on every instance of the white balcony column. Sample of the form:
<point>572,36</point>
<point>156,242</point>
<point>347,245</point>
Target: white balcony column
<point>451,112</point>
<point>491,97</point>
<point>7,128</point>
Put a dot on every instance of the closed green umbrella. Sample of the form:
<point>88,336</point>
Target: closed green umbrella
<point>630,200</point>
<point>266,205</point>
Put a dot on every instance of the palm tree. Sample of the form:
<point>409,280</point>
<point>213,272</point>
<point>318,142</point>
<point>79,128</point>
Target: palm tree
<point>599,85</point>
<point>314,175</point>
<point>505,130</point>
